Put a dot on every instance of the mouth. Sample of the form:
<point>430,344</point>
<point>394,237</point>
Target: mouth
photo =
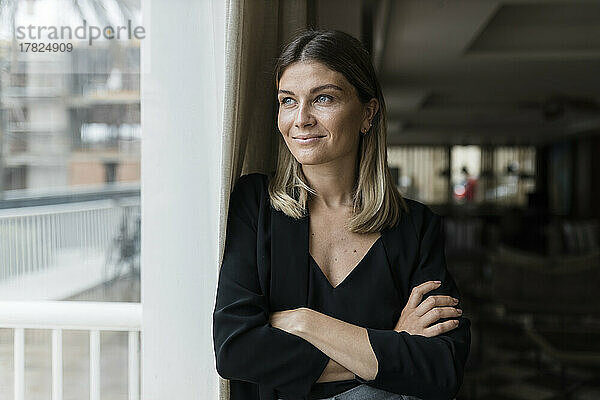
<point>307,139</point>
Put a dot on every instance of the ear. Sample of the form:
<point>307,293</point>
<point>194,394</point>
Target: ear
<point>370,109</point>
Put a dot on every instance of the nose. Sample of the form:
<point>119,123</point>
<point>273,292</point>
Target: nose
<point>304,116</point>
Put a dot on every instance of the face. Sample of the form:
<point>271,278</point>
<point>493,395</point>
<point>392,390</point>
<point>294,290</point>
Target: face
<point>320,116</point>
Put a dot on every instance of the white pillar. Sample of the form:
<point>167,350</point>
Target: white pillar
<point>57,364</point>
<point>133,370</point>
<point>181,103</point>
<point>19,363</point>
<point>95,388</point>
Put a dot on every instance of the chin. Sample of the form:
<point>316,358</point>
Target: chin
<point>309,160</point>
<point>306,156</point>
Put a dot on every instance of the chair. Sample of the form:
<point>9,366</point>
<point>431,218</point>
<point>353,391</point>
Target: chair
<point>556,303</point>
<point>581,236</point>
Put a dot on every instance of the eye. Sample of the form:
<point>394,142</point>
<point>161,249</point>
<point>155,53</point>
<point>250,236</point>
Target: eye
<point>323,98</point>
<point>286,101</point>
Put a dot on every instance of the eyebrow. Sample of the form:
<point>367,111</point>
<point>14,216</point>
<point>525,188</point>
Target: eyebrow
<point>316,89</point>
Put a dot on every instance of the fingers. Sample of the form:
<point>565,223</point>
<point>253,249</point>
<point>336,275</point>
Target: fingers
<point>418,314</point>
<point>417,292</point>
<point>434,301</point>
<point>440,328</point>
<point>440,312</point>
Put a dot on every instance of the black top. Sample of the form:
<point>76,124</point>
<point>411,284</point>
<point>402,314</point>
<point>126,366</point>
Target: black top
<point>265,268</point>
<point>366,297</point>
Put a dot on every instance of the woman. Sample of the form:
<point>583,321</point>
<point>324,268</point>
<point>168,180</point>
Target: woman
<point>332,285</point>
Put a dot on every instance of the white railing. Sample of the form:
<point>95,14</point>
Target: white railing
<point>31,237</point>
<point>45,243</point>
<point>73,315</point>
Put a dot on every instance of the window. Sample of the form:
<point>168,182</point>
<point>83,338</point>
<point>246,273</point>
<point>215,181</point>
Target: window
<point>514,170</point>
<point>70,169</point>
<point>466,169</point>
<point>421,172</point>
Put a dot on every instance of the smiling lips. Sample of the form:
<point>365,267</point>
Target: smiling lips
<point>307,139</point>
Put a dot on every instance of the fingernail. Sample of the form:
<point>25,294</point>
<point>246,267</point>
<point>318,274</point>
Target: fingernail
<point>437,281</point>
<point>459,311</point>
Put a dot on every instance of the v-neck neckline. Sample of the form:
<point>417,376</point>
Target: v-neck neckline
<point>357,266</point>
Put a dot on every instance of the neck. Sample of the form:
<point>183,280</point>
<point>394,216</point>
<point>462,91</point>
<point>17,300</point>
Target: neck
<point>333,182</point>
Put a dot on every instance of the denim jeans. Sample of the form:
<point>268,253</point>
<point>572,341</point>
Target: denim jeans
<point>366,392</point>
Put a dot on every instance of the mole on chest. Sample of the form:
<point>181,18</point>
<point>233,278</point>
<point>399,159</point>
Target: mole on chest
<point>337,257</point>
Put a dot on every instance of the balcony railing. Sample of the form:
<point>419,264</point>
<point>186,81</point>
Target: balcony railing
<point>55,251</point>
<point>58,316</point>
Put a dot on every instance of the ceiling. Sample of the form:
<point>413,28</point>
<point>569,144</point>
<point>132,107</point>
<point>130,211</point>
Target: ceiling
<point>481,71</point>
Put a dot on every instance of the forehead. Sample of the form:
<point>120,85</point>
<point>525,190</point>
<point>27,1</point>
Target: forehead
<point>304,75</point>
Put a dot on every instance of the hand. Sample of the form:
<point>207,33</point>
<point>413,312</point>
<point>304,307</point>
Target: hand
<point>416,318</point>
<point>288,320</point>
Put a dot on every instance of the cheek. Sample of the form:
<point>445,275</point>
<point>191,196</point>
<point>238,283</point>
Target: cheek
<point>345,126</point>
<point>283,121</point>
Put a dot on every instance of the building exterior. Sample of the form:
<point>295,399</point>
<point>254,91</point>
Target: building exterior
<point>66,129</point>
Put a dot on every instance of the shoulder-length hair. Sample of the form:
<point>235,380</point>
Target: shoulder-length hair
<point>377,203</point>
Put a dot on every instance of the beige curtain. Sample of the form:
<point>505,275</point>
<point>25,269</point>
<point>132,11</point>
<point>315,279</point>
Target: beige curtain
<point>256,32</point>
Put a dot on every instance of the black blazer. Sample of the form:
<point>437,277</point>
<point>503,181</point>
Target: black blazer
<point>265,269</point>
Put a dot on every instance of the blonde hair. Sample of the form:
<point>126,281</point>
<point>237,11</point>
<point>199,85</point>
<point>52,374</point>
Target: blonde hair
<point>377,203</point>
